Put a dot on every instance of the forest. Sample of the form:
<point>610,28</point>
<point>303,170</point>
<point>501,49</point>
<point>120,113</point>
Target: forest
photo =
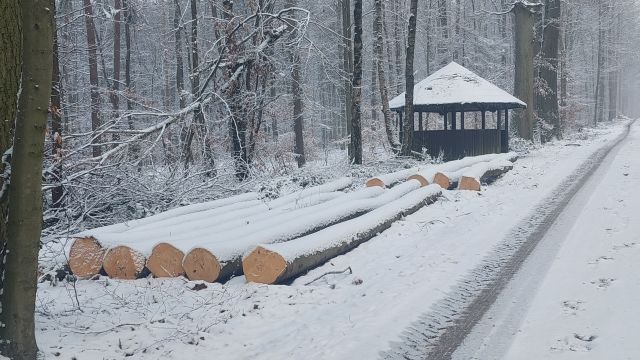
<point>150,105</point>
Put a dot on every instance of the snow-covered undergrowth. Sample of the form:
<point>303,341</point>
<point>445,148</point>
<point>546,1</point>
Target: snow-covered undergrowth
<point>393,278</point>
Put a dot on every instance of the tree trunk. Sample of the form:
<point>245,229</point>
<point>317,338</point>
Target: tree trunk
<point>443,24</point>
<point>548,105</point>
<point>25,201</point>
<point>117,20</point>
<point>93,75</point>
<point>347,66</point>
<point>10,60</point>
<point>356,121</point>
<point>298,105</point>
<point>179,62</point>
<point>524,54</point>
<point>55,109</point>
<point>378,48</point>
<point>408,125</point>
<point>599,91</point>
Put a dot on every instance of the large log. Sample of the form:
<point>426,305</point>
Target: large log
<point>154,239</point>
<point>85,257</point>
<point>227,252</point>
<point>483,173</point>
<point>122,262</point>
<point>173,213</point>
<point>387,180</point>
<point>275,263</point>
<point>433,174</point>
<point>448,178</point>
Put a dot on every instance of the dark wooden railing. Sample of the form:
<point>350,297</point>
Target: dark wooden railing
<point>456,144</point>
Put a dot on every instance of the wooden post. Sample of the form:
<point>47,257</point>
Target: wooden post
<point>484,120</point>
<point>498,126</point>
<point>506,128</point>
<point>400,126</point>
<point>462,120</point>
<point>445,121</point>
<point>453,120</point>
<point>420,121</point>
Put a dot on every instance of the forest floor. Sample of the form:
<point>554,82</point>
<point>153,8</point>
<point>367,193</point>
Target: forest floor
<point>577,295</point>
<point>359,313</point>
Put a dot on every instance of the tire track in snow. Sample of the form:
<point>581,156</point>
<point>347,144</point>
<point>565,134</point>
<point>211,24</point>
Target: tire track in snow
<point>438,333</point>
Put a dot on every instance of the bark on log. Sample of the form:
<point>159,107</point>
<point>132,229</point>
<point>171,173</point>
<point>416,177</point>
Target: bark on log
<point>123,262</point>
<point>85,257</point>
<point>227,253</point>
<point>483,173</point>
<point>271,264</point>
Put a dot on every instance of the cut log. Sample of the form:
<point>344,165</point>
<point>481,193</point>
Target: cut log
<point>485,173</point>
<point>165,261</point>
<point>85,257</point>
<point>228,251</point>
<point>123,262</point>
<point>437,174</point>
<point>388,180</point>
<point>173,213</point>
<point>275,263</point>
<point>337,185</point>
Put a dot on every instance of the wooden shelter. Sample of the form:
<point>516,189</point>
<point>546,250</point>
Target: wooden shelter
<point>451,92</point>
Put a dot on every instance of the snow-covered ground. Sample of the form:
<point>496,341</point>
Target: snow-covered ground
<point>577,296</point>
<point>355,314</point>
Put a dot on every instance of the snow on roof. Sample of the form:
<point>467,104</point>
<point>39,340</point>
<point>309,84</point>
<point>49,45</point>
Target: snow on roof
<point>456,85</point>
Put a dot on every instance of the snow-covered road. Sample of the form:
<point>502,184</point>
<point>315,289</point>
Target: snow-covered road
<point>406,271</point>
<point>577,295</point>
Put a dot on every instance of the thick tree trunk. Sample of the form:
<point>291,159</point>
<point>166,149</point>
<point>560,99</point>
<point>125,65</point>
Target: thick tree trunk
<point>378,48</point>
<point>55,110</point>
<point>93,74</point>
<point>524,71</point>
<point>408,125</point>
<point>25,201</point>
<point>443,25</point>
<point>179,62</point>
<point>10,60</point>
<point>298,100</point>
<point>548,104</point>
<point>356,117</point>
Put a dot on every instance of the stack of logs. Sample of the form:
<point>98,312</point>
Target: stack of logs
<point>280,239</point>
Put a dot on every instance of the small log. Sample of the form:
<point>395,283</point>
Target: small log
<point>165,261</point>
<point>123,262</point>
<point>226,254</point>
<point>388,180</point>
<point>275,263</point>
<point>85,257</point>
<point>483,173</point>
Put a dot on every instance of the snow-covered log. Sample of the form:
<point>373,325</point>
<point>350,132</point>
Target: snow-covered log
<point>430,174</point>
<point>222,258</point>
<point>485,172</point>
<point>87,253</point>
<point>388,180</point>
<point>275,263</point>
<point>173,213</point>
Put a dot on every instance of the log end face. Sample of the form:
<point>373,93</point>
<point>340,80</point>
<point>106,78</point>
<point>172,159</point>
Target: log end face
<point>122,262</point>
<point>423,182</point>
<point>263,266</point>
<point>375,182</point>
<point>469,183</point>
<point>165,261</point>
<point>201,264</point>
<point>85,257</point>
<point>442,180</point>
